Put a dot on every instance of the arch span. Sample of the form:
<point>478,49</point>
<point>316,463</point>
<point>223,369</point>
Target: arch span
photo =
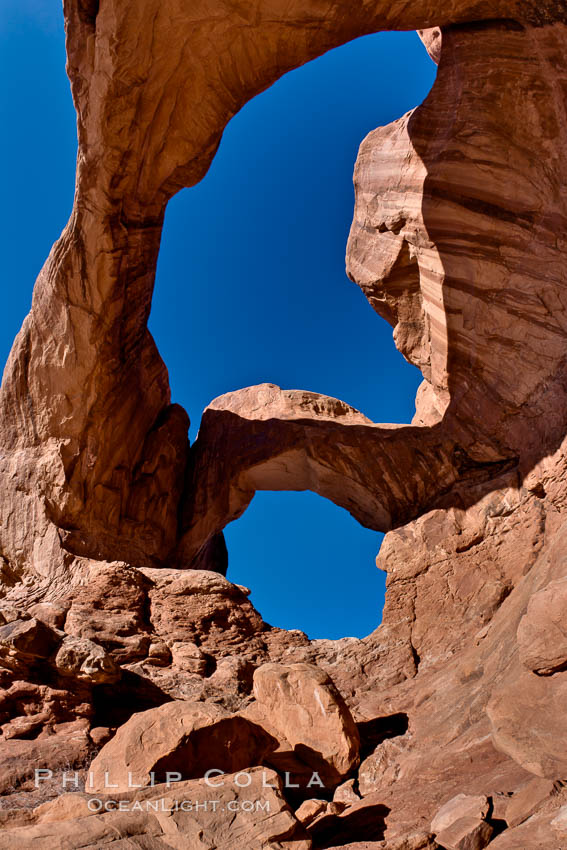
<point>93,452</point>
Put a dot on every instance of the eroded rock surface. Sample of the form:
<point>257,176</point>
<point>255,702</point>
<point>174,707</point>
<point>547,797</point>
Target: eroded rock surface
<point>111,524</point>
<point>154,818</point>
<point>179,739</point>
<point>302,708</point>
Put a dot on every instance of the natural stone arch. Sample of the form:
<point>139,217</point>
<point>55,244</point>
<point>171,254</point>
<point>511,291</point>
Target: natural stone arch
<point>93,453</point>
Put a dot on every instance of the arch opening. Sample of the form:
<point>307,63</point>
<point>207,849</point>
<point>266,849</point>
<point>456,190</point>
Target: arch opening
<point>264,297</point>
<point>314,571</point>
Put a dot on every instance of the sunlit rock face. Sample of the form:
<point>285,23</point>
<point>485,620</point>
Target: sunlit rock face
<point>111,525</point>
<point>94,453</point>
<point>450,249</point>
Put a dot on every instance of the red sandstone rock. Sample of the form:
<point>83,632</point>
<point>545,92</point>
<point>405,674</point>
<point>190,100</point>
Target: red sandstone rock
<point>107,481</point>
<point>179,739</point>
<point>559,822</point>
<point>19,759</point>
<point>309,810</point>
<point>535,834</point>
<point>528,800</point>
<point>266,438</point>
<point>154,818</point>
<point>461,806</point>
<point>196,605</point>
<point>522,717</point>
<point>301,705</point>
<point>85,660</point>
<point>49,613</point>
<point>85,381</point>
<point>467,833</point>
<point>346,793</point>
<point>432,39</point>
<point>457,242</point>
<point>24,641</point>
<point>411,842</point>
<point>108,605</point>
<point>542,633</point>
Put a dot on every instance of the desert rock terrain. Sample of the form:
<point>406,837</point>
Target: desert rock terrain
<point>122,643</point>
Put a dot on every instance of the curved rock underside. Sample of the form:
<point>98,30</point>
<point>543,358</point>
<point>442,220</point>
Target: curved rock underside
<point>111,547</point>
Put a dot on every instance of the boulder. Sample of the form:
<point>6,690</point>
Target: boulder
<point>9,613</point>
<point>188,656</point>
<point>100,735</point>
<point>309,810</point>
<point>301,706</point>
<point>26,641</point>
<point>49,613</point>
<point>85,660</point>
<point>159,654</point>
<point>467,833</point>
<point>183,739</point>
<point>461,806</point>
<point>346,793</point>
<point>542,633</point>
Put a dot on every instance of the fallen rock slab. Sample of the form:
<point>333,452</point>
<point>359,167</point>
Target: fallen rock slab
<point>534,834</point>
<point>542,633</point>
<point>468,833</point>
<point>182,739</point>
<point>309,716</point>
<point>461,806</point>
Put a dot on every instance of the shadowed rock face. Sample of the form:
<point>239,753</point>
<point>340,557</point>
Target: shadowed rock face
<point>458,241</point>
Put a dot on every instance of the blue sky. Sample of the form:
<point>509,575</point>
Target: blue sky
<point>251,284</point>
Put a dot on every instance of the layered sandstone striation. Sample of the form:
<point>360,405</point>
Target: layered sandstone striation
<point>118,632</point>
<point>93,450</point>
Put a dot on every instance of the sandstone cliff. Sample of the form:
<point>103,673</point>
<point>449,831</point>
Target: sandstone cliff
<point>443,728</point>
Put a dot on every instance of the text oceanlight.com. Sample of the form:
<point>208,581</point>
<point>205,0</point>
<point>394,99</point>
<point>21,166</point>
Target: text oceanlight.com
<point>163,804</point>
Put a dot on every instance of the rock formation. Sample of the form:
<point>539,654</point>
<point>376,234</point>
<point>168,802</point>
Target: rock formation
<point>446,726</point>
<point>153,820</point>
